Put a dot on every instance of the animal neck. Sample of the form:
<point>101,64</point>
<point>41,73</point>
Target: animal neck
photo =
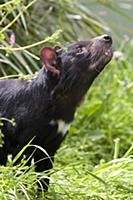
<point>45,80</point>
<point>68,95</point>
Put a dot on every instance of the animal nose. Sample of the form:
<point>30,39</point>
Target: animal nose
<point>107,38</point>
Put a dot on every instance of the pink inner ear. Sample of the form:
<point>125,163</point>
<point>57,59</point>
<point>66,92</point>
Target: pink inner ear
<point>48,56</point>
<point>47,53</point>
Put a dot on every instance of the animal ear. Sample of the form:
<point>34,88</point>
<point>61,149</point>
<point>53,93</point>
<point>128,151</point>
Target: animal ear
<point>48,56</point>
<point>47,53</point>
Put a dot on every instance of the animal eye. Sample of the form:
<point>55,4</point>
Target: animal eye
<point>79,49</point>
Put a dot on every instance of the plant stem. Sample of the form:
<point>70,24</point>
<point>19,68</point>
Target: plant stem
<point>9,48</point>
<point>15,19</point>
<point>117,147</point>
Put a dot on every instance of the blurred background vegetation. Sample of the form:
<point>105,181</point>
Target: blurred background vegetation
<point>103,128</point>
<point>32,21</point>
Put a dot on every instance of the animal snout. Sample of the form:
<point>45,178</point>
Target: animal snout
<point>107,38</point>
<point>104,40</point>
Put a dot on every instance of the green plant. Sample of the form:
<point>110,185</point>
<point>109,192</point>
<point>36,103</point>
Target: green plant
<point>84,168</point>
<point>27,18</point>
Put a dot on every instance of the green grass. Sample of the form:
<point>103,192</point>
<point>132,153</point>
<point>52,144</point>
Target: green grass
<point>112,180</point>
<point>96,159</point>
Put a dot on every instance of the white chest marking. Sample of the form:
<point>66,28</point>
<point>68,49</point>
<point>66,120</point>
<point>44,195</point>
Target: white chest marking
<point>63,127</point>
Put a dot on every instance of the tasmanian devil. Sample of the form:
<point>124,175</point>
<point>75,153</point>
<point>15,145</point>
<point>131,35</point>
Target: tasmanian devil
<point>43,108</point>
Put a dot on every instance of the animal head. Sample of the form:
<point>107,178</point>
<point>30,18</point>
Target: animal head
<point>81,57</point>
<point>77,67</point>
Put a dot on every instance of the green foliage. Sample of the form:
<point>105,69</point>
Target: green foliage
<point>23,19</point>
<point>19,181</point>
<point>95,162</point>
<point>2,120</point>
<point>68,15</point>
<point>1,137</point>
<point>111,180</point>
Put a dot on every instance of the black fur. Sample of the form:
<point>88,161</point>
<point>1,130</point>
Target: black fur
<point>34,103</point>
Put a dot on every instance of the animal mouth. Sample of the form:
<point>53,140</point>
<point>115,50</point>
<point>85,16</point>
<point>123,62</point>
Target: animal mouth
<point>102,53</point>
<point>109,52</point>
